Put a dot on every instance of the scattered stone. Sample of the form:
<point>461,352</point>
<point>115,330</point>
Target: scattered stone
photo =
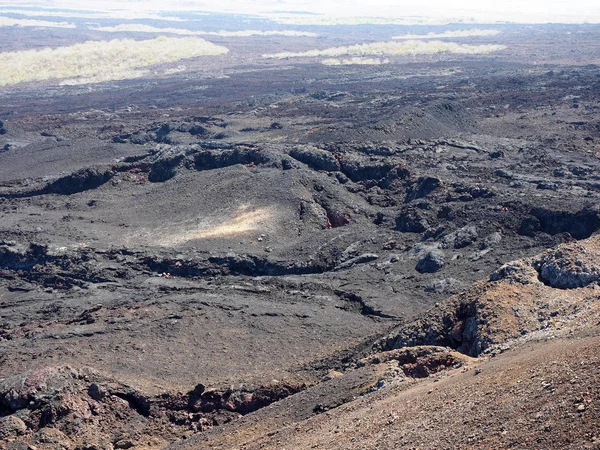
<point>491,240</point>
<point>423,187</point>
<point>390,245</point>
<point>124,444</point>
<point>548,186</point>
<point>97,392</point>
<point>460,238</point>
<point>360,259</point>
<point>412,221</point>
<point>430,262</point>
<point>504,174</point>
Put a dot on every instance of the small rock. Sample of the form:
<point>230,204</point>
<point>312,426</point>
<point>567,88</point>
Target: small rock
<point>548,186</point>
<point>360,259</point>
<point>98,393</point>
<point>430,262</point>
<point>491,240</point>
<point>460,238</point>
<point>503,173</point>
<point>581,407</point>
<point>332,374</point>
<point>390,245</point>
<point>411,222</point>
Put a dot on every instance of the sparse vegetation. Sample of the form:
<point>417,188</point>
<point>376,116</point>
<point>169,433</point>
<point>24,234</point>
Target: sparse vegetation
<point>8,22</point>
<point>97,61</point>
<point>412,47</point>
<point>451,34</point>
<point>356,20</point>
<point>246,33</point>
<point>136,28</point>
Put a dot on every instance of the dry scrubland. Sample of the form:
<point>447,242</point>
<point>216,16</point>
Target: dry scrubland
<point>98,61</point>
<point>181,31</point>
<point>413,47</point>
<point>451,34</point>
<point>8,22</point>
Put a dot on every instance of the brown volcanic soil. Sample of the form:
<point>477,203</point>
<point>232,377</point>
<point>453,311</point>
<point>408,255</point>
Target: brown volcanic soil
<point>541,395</point>
<point>534,383</point>
<point>260,258</point>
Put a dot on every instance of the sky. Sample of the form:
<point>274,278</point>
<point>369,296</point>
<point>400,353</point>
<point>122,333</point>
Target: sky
<point>534,11</point>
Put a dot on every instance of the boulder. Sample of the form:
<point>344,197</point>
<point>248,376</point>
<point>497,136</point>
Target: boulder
<point>412,221</point>
<point>460,238</point>
<point>570,266</point>
<point>430,262</point>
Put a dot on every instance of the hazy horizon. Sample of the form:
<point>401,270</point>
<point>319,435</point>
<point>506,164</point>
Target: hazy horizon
<point>436,11</point>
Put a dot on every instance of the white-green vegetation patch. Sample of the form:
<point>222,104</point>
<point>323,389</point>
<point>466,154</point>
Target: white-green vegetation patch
<point>354,61</point>
<point>136,28</point>
<point>322,20</point>
<point>413,47</point>
<point>97,61</point>
<point>247,33</point>
<point>8,22</point>
<point>451,34</point>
